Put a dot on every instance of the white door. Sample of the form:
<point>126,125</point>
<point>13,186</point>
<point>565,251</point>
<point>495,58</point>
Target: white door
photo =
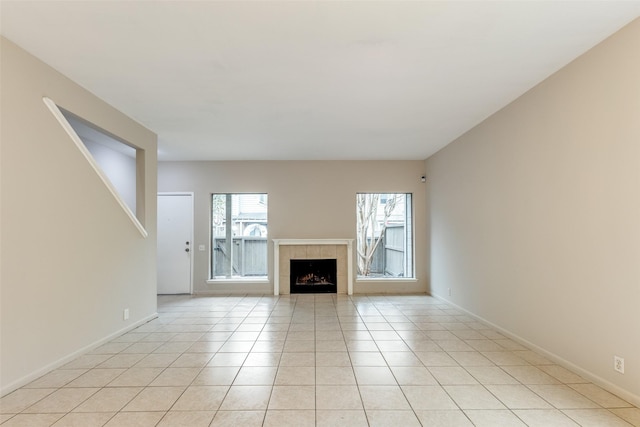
<point>175,245</point>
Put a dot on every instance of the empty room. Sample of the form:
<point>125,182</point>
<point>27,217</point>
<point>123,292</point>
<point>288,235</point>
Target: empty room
<point>319,213</point>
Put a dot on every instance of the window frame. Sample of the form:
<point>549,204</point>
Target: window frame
<point>409,260</point>
<point>263,200</point>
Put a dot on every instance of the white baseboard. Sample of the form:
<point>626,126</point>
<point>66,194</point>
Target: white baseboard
<point>63,361</point>
<point>607,385</point>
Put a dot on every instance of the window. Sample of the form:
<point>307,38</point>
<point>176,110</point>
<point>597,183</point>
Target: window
<point>238,236</point>
<point>384,235</point>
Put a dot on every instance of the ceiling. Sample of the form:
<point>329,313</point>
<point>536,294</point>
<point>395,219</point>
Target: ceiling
<point>312,80</point>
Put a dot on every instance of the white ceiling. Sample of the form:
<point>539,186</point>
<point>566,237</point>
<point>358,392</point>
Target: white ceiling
<point>236,80</point>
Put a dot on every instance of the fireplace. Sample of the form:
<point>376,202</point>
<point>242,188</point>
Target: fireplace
<point>313,276</point>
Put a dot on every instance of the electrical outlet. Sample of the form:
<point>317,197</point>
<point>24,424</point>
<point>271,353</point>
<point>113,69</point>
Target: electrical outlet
<point>449,291</point>
<point>202,248</point>
<point>618,364</point>
<point>125,314</point>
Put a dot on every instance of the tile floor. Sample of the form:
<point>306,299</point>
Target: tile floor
<point>312,360</point>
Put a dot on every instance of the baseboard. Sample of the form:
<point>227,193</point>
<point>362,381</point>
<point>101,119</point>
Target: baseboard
<point>63,361</point>
<point>607,385</point>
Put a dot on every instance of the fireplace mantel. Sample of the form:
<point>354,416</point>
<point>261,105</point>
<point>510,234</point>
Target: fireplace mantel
<point>311,242</point>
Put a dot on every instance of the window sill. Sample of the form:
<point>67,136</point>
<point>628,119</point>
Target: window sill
<point>242,280</point>
<point>385,279</point>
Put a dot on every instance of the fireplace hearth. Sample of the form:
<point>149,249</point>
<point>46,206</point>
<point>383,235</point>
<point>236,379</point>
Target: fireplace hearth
<point>313,276</point>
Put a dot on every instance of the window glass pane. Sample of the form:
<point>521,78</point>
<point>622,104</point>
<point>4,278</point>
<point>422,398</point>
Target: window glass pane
<point>384,235</point>
<point>239,235</point>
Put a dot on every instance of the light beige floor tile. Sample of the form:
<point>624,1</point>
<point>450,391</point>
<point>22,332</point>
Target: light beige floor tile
<point>268,346</point>
<point>292,397</point>
<point>376,375</point>
<point>504,358</point>
<point>22,398</point>
<point>218,375</point>
<point>173,347</point>
<point>175,377</point>
<point>307,359</point>
<point>111,348</point>
<point>600,396</point>
<point>362,345</point>
<point>630,415</point>
<point>341,418</point>
<point>401,358</point>
<point>246,398</point>
<point>32,420</point>
<point>192,360</point>
<point>296,375</point>
<point>383,398</point>
<point>428,398</point>
<point>155,399</point>
<point>96,377</point>
<point>562,374</point>
<point>338,397</point>
<point>109,399</point>
<point>228,359</point>
<point>142,347</point>
<point>473,397</point>
<point>563,397</point>
<point>157,360</point>
<point>530,375</point>
<point>533,357</point>
<point>595,418</point>
<point>492,418</point>
<point>122,361</point>
<point>413,375</point>
<point>485,345</point>
<point>135,419</point>
<point>423,345</point>
<point>491,375</point>
<point>393,346</point>
<point>201,398</point>
<point>262,359</point>
<point>136,377</point>
<point>333,359</point>
<point>87,361</point>
<point>443,418</point>
<point>436,359</point>
<point>61,401</point>
<point>470,358</point>
<point>379,418</point>
<point>84,419</point>
<point>367,358</point>
<point>331,345</point>
<point>57,378</point>
<point>544,418</point>
<point>335,375</point>
<point>256,375</point>
<point>205,347</point>
<point>294,346</point>
<point>517,396</point>
<point>290,418</point>
<point>452,376</point>
<point>237,347</point>
<point>187,419</point>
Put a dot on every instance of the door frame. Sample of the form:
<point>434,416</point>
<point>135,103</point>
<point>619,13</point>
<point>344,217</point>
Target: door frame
<point>191,232</point>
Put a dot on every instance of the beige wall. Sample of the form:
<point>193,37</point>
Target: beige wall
<point>535,215</point>
<point>71,258</point>
<point>307,200</point>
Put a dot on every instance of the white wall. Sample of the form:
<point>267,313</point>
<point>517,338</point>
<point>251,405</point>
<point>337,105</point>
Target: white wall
<point>307,199</point>
<point>71,259</point>
<point>119,167</point>
<point>535,215</point>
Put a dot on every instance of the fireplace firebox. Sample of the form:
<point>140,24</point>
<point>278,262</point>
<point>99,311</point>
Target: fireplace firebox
<point>313,276</point>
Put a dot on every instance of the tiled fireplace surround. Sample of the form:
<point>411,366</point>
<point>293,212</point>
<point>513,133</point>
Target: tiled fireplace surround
<point>287,249</point>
